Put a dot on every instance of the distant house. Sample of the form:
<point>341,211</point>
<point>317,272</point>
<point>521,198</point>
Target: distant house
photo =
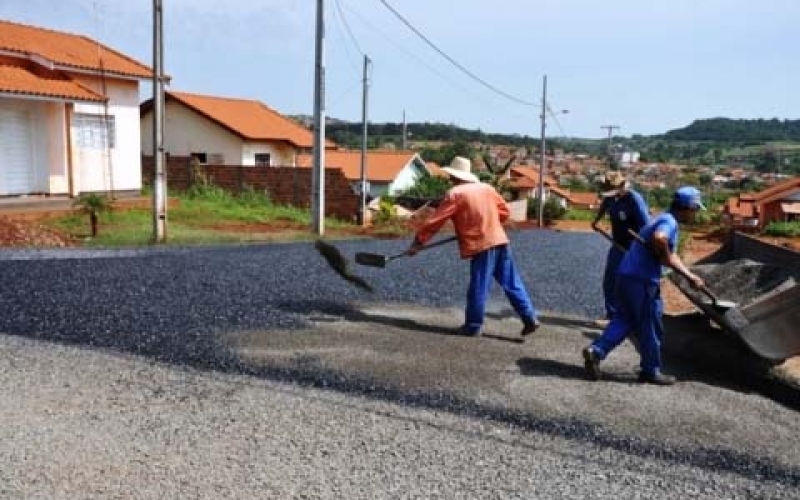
<point>780,202</point>
<point>226,131</point>
<point>69,111</point>
<point>525,181</point>
<point>387,172</point>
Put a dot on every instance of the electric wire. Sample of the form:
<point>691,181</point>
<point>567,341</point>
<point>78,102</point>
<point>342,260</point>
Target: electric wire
<point>347,27</point>
<point>453,61</point>
<point>349,56</point>
<point>555,119</point>
<point>428,66</point>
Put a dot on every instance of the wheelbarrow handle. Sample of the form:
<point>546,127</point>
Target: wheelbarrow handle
<point>703,288</point>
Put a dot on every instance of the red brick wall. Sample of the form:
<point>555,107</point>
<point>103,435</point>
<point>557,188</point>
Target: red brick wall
<point>285,185</point>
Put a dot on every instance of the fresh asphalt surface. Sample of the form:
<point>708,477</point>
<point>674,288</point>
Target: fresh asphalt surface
<point>280,312</point>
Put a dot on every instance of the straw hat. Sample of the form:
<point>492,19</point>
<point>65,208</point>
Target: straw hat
<point>460,168</point>
<point>613,183</point>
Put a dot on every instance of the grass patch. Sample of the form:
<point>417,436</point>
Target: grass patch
<point>785,229</point>
<point>204,216</point>
<point>580,214</point>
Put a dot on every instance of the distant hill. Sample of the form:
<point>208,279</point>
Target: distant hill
<point>349,133</point>
<point>728,130</point>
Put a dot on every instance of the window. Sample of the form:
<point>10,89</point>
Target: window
<point>263,159</point>
<point>94,131</point>
<point>202,158</point>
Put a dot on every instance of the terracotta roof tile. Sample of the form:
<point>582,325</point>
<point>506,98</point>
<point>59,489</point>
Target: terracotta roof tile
<point>17,80</point>
<point>68,50</point>
<point>382,165</point>
<point>250,119</point>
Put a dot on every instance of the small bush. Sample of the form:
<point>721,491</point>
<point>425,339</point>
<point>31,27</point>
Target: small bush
<point>552,209</point>
<point>784,229</point>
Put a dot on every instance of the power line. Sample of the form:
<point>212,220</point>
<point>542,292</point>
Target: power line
<point>348,55</point>
<point>453,61</point>
<point>555,119</point>
<point>347,27</point>
<point>419,60</point>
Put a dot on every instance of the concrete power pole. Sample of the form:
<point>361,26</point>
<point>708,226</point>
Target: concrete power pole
<point>160,177</point>
<point>404,146</point>
<point>318,176</point>
<point>362,197</point>
<point>610,129</point>
<point>543,155</point>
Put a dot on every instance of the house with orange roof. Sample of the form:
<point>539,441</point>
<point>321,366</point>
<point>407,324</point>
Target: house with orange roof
<point>386,171</point>
<point>68,114</point>
<point>226,131</point>
<point>779,203</point>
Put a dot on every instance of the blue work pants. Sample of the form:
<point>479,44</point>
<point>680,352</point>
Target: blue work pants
<point>613,259</point>
<point>639,310</point>
<point>496,264</point>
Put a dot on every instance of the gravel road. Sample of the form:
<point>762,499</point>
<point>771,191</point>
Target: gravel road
<point>167,373</point>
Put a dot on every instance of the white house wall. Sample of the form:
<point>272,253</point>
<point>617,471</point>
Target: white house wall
<point>118,169</point>
<point>281,154</point>
<point>186,132</point>
<point>407,177</point>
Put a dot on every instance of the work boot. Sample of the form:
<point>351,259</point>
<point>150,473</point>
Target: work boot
<point>656,378</point>
<point>465,332</point>
<point>591,363</point>
<point>529,327</point>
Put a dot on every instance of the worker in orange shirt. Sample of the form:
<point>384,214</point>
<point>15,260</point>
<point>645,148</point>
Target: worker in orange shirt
<point>478,213</point>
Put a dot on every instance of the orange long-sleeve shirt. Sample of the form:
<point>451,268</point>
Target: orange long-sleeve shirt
<point>477,212</point>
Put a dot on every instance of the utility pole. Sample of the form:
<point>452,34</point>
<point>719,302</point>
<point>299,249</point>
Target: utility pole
<point>610,129</point>
<point>160,177</point>
<point>543,156</point>
<point>405,133</point>
<point>318,176</point>
<point>362,197</point>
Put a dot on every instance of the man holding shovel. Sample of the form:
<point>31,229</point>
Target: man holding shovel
<point>478,213</point>
<point>637,290</point>
<point>628,212</point>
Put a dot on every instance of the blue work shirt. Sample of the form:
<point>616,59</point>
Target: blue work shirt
<point>628,211</point>
<point>641,262</point>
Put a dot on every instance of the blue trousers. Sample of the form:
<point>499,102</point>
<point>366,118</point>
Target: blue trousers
<point>496,264</point>
<point>639,310</point>
<point>613,259</point>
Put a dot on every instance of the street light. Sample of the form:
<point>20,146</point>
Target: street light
<point>543,156</point>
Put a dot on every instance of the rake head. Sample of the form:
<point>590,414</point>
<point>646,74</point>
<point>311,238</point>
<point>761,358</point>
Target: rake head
<point>338,262</point>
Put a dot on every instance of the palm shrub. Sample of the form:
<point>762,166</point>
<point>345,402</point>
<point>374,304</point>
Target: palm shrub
<point>552,209</point>
<point>93,205</point>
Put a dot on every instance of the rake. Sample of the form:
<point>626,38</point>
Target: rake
<point>339,264</point>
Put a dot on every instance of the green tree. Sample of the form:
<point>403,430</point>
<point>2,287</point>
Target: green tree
<point>92,205</point>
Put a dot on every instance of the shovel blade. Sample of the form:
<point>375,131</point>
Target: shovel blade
<point>371,259</point>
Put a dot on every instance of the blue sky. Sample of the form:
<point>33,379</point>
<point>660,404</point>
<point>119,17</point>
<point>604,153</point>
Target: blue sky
<point>646,66</point>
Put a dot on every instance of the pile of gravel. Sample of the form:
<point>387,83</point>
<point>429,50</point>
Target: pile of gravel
<point>744,281</point>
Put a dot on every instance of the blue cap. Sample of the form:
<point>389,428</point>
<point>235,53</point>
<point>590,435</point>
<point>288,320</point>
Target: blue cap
<point>689,197</point>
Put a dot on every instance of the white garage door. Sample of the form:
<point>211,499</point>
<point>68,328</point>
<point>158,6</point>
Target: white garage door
<point>16,167</point>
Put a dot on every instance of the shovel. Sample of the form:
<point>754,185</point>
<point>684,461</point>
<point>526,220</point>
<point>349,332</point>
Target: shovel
<point>716,302</point>
<point>612,240</point>
<point>378,260</point>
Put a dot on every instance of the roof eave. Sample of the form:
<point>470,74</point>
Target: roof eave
<point>40,97</point>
